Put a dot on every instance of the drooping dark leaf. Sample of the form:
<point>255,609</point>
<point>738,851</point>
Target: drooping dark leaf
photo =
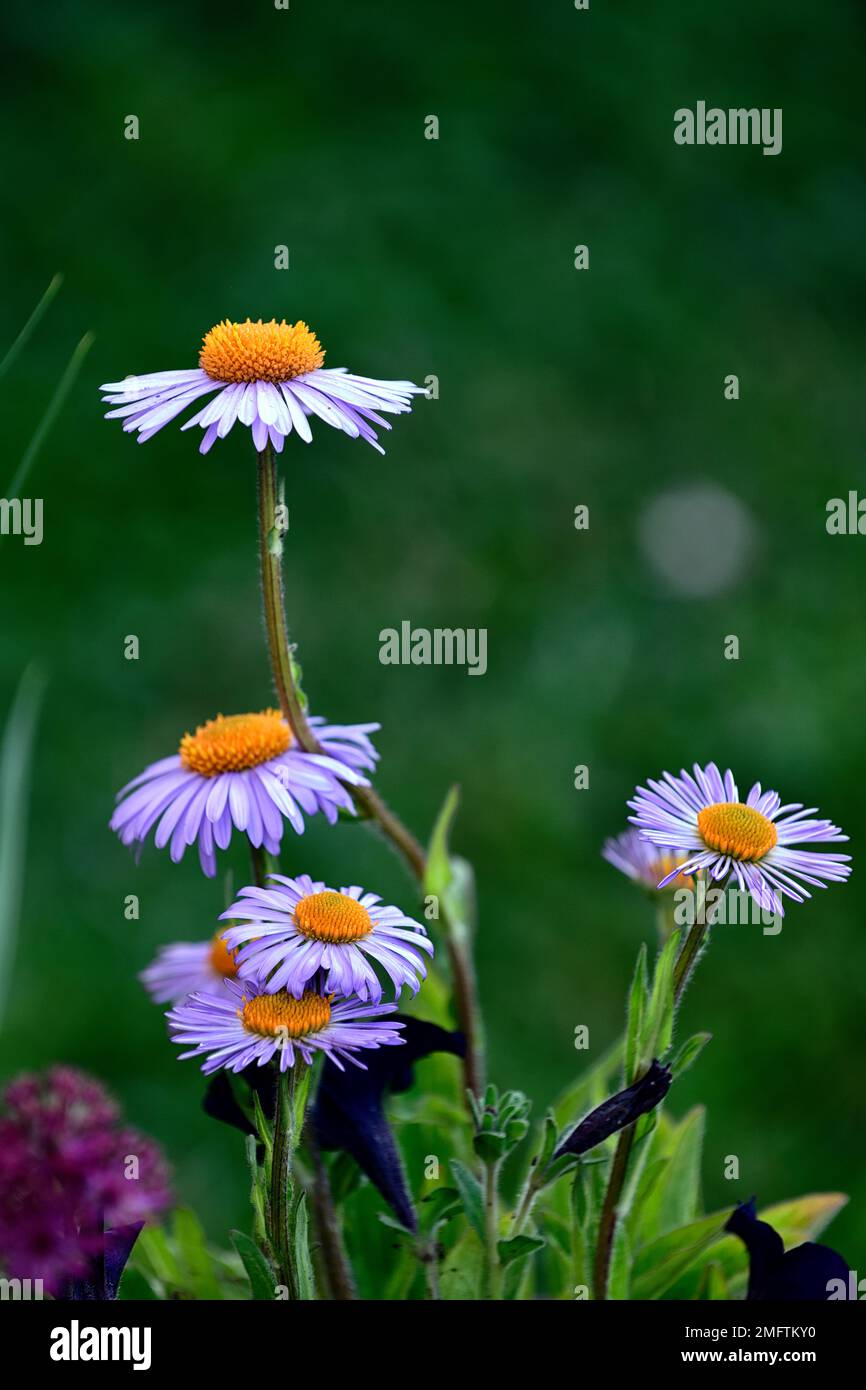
<point>618,1111</point>
<point>349,1111</point>
<point>799,1275</point>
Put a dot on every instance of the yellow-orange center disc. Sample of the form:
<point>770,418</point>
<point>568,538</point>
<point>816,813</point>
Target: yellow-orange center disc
<point>235,742</point>
<point>332,916</point>
<point>279,1015</point>
<point>664,865</point>
<point>222,959</point>
<point>738,830</point>
<point>260,351</point>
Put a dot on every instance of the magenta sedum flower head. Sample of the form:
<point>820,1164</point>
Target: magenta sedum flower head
<point>267,375</point>
<point>188,967</point>
<point>752,843</point>
<point>242,772</point>
<point>244,1024</point>
<point>66,1176</point>
<point>295,928</point>
<point>642,861</point>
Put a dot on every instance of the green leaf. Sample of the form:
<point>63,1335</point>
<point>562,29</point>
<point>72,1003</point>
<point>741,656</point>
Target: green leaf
<point>518,1248</point>
<point>262,1280</point>
<point>440,1206</point>
<point>714,1287</point>
<point>675,1198</point>
<point>303,1263</point>
<point>460,1275</point>
<point>620,1264</point>
<point>689,1053</point>
<point>638,1001</point>
<point>135,1286</point>
<point>660,1263</point>
<point>659,1018</point>
<point>194,1255</point>
<point>153,1254</point>
<point>15,758</point>
<point>471,1196</point>
<point>439,872</point>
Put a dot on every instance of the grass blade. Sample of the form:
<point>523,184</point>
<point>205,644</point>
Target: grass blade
<point>15,757</point>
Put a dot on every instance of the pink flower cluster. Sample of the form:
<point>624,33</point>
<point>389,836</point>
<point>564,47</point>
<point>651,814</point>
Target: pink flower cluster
<point>68,1172</point>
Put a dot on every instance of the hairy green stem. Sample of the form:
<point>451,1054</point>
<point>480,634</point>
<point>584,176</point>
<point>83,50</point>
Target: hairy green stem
<point>367,801</point>
<point>292,1086</point>
<point>491,1268</point>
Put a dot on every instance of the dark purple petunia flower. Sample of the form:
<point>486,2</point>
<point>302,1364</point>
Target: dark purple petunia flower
<point>71,1177</point>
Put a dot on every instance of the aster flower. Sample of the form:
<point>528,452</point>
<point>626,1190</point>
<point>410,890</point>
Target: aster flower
<point>641,861</point>
<point>752,843</point>
<point>267,375</point>
<point>187,967</point>
<point>246,1024</point>
<point>295,928</point>
<point>242,772</point>
<point>64,1184</point>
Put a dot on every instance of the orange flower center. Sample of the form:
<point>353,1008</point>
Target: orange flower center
<point>221,958</point>
<point>279,1015</point>
<point>737,830</point>
<point>260,351</point>
<point>332,916</point>
<point>234,742</point>
<point>664,865</point>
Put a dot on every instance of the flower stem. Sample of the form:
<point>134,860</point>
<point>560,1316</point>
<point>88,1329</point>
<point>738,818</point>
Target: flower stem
<point>491,1269</point>
<point>367,801</point>
<point>683,970</point>
<point>292,1088</point>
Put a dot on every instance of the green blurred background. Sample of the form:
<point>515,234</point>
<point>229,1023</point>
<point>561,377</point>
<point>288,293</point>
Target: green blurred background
<point>411,257</point>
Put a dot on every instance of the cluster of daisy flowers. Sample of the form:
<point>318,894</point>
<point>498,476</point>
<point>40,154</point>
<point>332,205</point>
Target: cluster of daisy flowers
<point>296,972</point>
<point>697,823</point>
<point>293,976</point>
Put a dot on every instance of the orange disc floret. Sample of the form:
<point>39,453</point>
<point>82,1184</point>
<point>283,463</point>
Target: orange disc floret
<point>736,829</point>
<point>222,959</point>
<point>279,1015</point>
<point>330,916</point>
<point>260,351</point>
<point>235,742</point>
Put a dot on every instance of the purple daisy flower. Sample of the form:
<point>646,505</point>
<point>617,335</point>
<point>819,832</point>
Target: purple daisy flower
<point>246,1024</point>
<point>641,861</point>
<point>752,842</point>
<point>297,928</point>
<point>189,967</point>
<point>267,375</point>
<point>241,772</point>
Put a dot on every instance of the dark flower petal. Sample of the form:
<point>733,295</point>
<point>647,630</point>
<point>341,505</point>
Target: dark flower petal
<point>800,1275</point>
<point>102,1280</point>
<point>618,1111</point>
<point>349,1110</point>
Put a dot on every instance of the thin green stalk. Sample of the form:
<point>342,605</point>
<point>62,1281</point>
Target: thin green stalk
<point>55,405</point>
<point>491,1270</point>
<point>292,1088</point>
<point>367,801</point>
<point>29,327</point>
